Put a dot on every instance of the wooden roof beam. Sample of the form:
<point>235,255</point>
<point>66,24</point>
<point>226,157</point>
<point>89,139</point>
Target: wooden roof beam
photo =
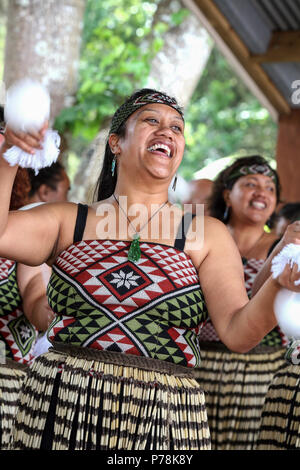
<point>221,30</point>
<point>284,46</point>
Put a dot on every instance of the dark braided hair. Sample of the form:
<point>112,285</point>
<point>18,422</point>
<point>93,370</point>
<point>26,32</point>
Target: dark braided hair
<point>225,180</point>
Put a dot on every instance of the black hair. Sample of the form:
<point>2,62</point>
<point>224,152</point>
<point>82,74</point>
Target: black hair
<point>107,181</point>
<point>217,204</point>
<point>290,211</point>
<point>50,176</point>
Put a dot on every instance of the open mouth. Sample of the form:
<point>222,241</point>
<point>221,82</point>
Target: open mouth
<point>258,205</point>
<point>161,149</point>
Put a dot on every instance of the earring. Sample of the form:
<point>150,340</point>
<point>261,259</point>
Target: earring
<point>113,165</point>
<point>174,183</point>
<point>225,216</point>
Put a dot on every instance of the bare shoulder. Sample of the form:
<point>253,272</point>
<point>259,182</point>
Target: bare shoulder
<point>33,236</point>
<point>205,234</point>
<point>58,220</point>
<point>212,224</point>
<point>215,231</point>
<point>60,214</point>
<point>63,214</point>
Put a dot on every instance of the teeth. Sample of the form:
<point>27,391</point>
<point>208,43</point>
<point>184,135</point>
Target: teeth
<point>258,205</point>
<point>160,146</point>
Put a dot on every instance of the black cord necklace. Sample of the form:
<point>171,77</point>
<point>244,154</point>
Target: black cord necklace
<point>134,252</point>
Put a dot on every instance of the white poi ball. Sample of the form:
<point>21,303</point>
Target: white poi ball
<point>27,106</point>
<point>287,312</point>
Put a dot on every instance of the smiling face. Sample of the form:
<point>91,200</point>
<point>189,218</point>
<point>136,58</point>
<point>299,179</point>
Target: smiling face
<point>153,144</point>
<point>251,199</point>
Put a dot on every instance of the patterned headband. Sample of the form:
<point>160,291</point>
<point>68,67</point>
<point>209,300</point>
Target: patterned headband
<point>128,108</point>
<point>254,169</point>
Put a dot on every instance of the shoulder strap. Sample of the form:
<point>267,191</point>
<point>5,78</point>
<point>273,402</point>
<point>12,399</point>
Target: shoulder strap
<point>182,230</point>
<point>82,213</point>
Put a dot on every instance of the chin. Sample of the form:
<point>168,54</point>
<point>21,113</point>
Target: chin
<point>259,220</point>
<point>163,176</point>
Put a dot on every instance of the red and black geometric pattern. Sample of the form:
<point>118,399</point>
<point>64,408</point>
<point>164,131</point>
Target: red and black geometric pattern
<point>251,268</point>
<point>153,308</point>
<point>16,332</point>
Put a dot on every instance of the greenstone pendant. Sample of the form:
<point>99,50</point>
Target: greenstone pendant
<point>134,252</point>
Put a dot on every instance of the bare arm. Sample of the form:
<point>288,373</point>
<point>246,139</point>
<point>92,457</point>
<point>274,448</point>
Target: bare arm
<point>241,324</point>
<point>291,235</point>
<point>29,237</point>
<point>32,285</point>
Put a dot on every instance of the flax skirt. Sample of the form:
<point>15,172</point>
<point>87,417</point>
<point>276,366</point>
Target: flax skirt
<point>235,386</point>
<point>73,402</point>
<point>280,429</point>
<point>11,380</point>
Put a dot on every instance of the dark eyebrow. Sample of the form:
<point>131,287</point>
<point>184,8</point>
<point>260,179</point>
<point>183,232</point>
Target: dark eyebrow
<point>144,110</point>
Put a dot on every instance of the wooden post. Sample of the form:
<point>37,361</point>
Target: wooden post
<point>288,155</point>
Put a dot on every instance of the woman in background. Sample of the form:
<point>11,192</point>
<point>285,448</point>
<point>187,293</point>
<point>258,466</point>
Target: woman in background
<point>23,309</point>
<point>244,197</point>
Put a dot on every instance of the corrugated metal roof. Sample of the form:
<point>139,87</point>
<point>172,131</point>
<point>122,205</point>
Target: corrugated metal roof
<point>254,21</point>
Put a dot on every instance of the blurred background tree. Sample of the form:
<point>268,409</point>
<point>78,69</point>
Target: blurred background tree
<point>125,45</point>
<point>224,119</point>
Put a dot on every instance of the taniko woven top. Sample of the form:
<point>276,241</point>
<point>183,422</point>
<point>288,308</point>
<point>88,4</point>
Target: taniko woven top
<point>154,308</point>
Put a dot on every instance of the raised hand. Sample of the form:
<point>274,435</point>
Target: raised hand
<point>291,234</point>
<point>29,142</point>
<point>289,276</point>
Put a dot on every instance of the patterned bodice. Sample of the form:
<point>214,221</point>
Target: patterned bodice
<point>275,337</point>
<point>153,308</point>
<point>16,332</point>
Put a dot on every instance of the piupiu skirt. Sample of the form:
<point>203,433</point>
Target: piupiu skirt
<point>12,376</point>
<point>280,428</point>
<point>83,399</point>
<point>235,386</point>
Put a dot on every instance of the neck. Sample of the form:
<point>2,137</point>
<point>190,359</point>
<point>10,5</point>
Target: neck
<point>34,199</point>
<point>246,237</point>
<point>142,196</point>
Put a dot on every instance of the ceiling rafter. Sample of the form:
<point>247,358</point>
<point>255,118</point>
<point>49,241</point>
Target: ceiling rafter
<point>284,46</point>
<point>252,65</point>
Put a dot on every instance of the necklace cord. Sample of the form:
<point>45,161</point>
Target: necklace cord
<point>145,225</point>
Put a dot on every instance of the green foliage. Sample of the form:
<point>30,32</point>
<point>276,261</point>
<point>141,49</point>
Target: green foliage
<point>119,40</point>
<point>118,43</point>
<point>223,119</point>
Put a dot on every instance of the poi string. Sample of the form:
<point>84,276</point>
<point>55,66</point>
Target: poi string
<point>27,108</point>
